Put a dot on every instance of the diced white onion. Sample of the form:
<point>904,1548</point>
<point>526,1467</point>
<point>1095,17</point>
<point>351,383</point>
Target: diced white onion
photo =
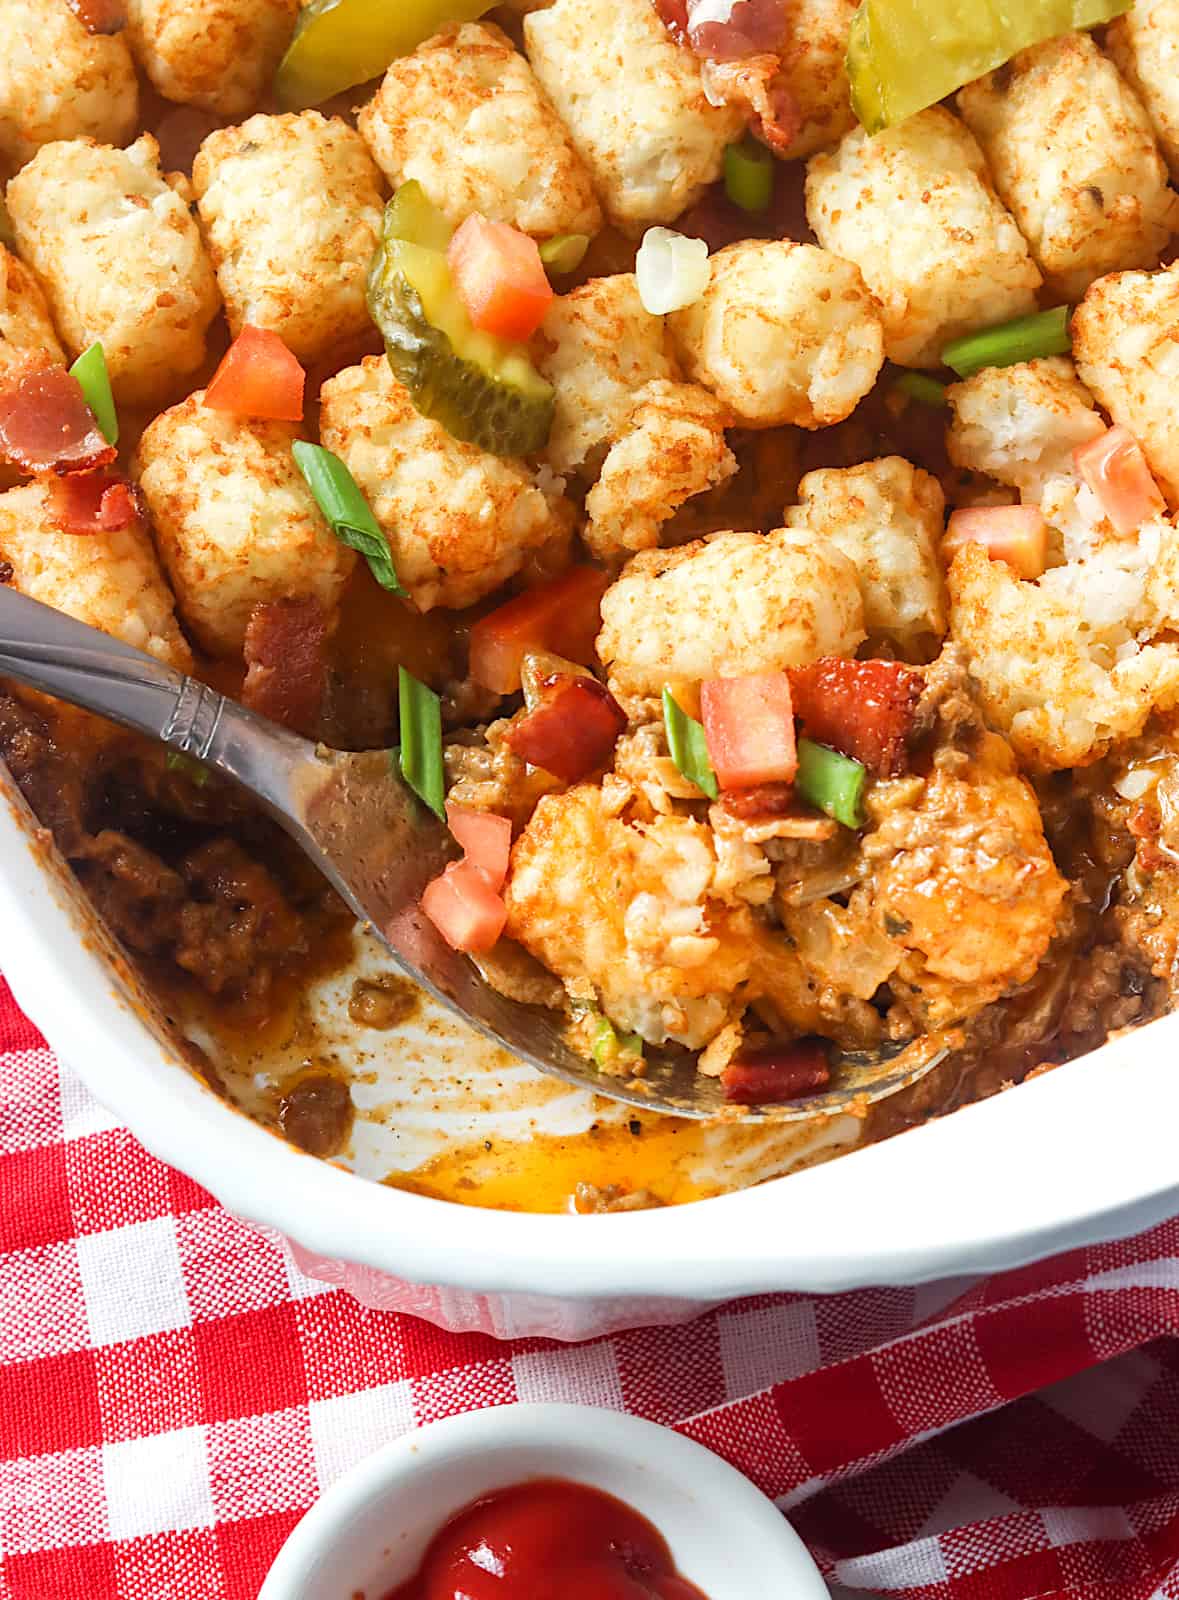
<point>672,270</point>
<point>1137,782</point>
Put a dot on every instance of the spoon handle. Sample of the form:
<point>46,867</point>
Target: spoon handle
<point>47,650</point>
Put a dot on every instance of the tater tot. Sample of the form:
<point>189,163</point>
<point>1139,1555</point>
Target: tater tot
<point>26,329</point>
<point>291,207</point>
<point>1021,424</point>
<point>1145,44</point>
<point>726,605</point>
<point>236,525</point>
<point>1074,159</point>
<point>1051,661</point>
<point>887,518</point>
<point>110,580</point>
<point>1127,352</point>
<point>220,54</point>
<point>813,69</point>
<point>597,347</point>
<point>672,447</point>
<point>57,81</point>
<point>784,333</point>
<point>464,116</point>
<point>632,917</point>
<point>460,522</point>
<point>121,260</point>
<point>634,103</point>
<point>915,209</point>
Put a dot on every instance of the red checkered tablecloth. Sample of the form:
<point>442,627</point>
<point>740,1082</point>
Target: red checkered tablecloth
<point>174,1393</point>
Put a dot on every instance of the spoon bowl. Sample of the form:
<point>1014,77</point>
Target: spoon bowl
<point>378,846</point>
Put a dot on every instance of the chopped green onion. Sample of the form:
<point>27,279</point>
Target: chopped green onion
<point>1044,333</point>
<point>832,782</point>
<point>338,497</point>
<point>749,175</point>
<point>90,371</point>
<point>564,253</point>
<point>685,740</point>
<point>607,1045</point>
<point>195,771</point>
<point>921,387</point>
<point>421,741</point>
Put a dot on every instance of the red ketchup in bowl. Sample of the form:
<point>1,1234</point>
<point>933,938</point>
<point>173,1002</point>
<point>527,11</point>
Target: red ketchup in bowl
<point>548,1540</point>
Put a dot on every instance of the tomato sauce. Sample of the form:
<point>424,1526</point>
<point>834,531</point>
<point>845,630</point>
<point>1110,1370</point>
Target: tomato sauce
<point>548,1540</point>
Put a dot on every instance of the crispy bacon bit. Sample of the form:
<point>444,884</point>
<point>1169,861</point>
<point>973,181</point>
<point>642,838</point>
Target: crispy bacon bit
<point>864,709</point>
<point>100,16</point>
<point>46,425</point>
<point>572,732</point>
<point>774,114</point>
<point>715,219</point>
<point>94,502</point>
<point>674,16</point>
<point>732,30</point>
<point>775,1072</point>
<point>7,572</point>
<point>286,664</point>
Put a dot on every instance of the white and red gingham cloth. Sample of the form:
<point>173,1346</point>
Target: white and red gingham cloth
<point>174,1394</point>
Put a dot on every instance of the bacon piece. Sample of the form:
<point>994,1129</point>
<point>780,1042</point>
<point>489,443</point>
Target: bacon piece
<point>733,30</point>
<point>94,502</point>
<point>774,114</point>
<point>715,219</point>
<point>674,16</point>
<point>572,732</point>
<point>286,664</point>
<point>46,425</point>
<point>777,1071</point>
<point>864,709</point>
<point>100,16</point>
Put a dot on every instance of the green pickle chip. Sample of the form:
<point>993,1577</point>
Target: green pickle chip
<point>340,43</point>
<point>904,55</point>
<point>481,389</point>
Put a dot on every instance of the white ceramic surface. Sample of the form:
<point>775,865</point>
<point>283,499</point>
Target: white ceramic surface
<point>1083,1154</point>
<point>370,1530</point>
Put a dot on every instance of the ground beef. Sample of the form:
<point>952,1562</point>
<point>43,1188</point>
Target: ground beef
<point>147,840</point>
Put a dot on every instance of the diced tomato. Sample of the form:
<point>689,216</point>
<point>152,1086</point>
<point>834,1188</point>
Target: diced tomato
<point>500,277</point>
<point>572,732</point>
<point>465,908</point>
<point>1116,470</point>
<point>486,840</point>
<point>562,616</point>
<point>260,378</point>
<point>777,1072</point>
<point>1017,535</point>
<point>749,729</point>
<point>864,709</point>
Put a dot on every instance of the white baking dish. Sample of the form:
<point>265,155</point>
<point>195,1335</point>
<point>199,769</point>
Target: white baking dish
<point>1079,1155</point>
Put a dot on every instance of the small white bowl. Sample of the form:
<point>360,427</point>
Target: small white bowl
<point>370,1530</point>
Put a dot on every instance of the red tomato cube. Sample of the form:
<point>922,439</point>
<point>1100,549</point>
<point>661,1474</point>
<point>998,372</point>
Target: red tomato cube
<point>259,377</point>
<point>1015,534</point>
<point>1116,470</point>
<point>465,908</point>
<point>500,278</point>
<point>486,840</point>
<point>562,616</point>
<point>749,729</point>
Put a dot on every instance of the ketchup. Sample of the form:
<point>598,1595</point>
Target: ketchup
<point>547,1540</point>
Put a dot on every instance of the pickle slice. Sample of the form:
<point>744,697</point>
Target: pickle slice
<point>904,55</point>
<point>340,43</point>
<point>481,389</point>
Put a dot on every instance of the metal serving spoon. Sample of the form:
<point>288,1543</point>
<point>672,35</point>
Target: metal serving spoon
<point>378,846</point>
